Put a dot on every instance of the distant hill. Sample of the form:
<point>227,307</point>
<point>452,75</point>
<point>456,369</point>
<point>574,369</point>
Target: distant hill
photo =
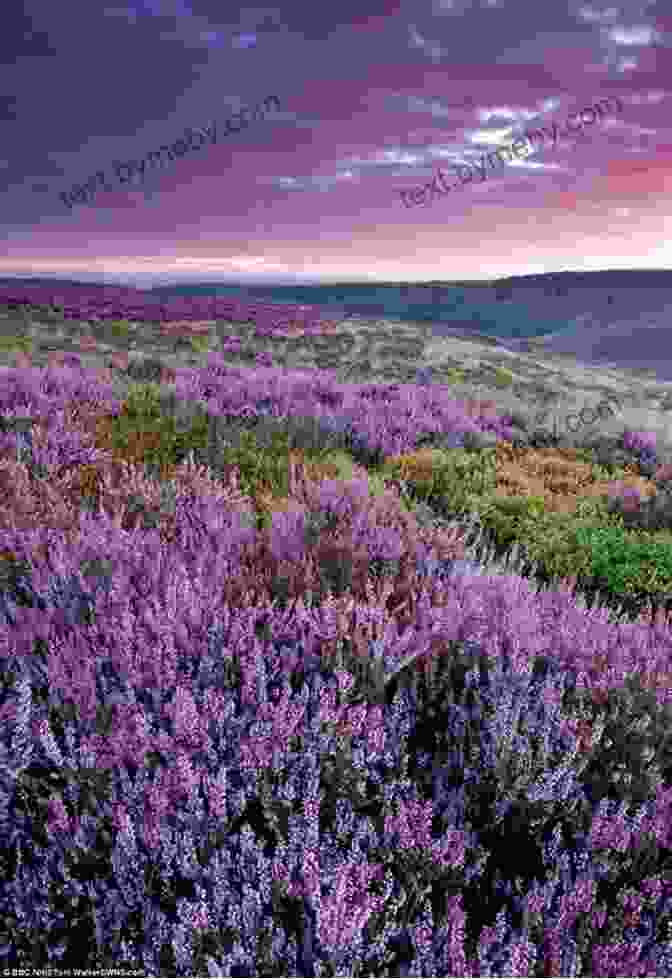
<point>603,279</point>
<point>611,316</point>
<point>619,318</point>
<point>55,283</point>
<point>607,279</point>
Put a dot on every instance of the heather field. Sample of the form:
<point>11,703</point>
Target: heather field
<point>306,678</point>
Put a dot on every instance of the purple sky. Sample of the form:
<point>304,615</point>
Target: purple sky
<point>375,95</point>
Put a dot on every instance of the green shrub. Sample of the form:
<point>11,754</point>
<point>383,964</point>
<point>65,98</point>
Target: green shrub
<point>455,479</point>
<point>611,472</point>
<point>199,344</point>
<point>628,563</point>
<point>549,538</point>
<point>503,378</point>
<point>596,508</point>
<point>259,466</point>
<point>170,431</point>
<point>120,328</point>
<point>155,439</point>
<point>344,465</point>
<point>16,343</point>
<point>454,375</point>
<point>507,516</point>
<point>143,398</point>
<point>304,433</point>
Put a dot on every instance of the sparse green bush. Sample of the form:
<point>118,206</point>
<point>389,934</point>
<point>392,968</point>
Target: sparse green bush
<point>15,343</point>
<point>503,378</point>
<point>509,516</point>
<point>120,328</point>
<point>549,538</point>
<point>448,480</point>
<point>199,344</point>
<point>171,431</point>
<point>143,398</point>
<point>454,375</point>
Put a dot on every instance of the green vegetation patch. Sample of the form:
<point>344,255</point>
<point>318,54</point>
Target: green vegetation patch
<point>13,344</point>
<point>453,481</point>
<point>630,562</point>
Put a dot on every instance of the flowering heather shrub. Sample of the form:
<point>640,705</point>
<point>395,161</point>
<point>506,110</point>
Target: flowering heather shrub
<point>424,375</point>
<point>217,758</point>
<point>511,789</point>
<point>401,413</point>
<point>650,514</point>
<point>430,835</point>
<point>339,538</point>
<point>622,450</point>
<point>639,441</point>
<point>630,756</point>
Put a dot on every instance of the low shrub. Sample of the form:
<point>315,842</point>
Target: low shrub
<point>503,378</point>
<point>508,517</point>
<point>548,538</point>
<point>454,375</point>
<point>521,765</point>
<point>150,429</point>
<point>13,344</point>
<point>450,480</point>
<point>489,755</point>
<point>119,328</point>
<point>648,514</point>
<point>630,754</point>
<point>611,451</point>
<point>628,563</point>
<point>558,475</point>
<point>144,369</point>
<point>309,435</point>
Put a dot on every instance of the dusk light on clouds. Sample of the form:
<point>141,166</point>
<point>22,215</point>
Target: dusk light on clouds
<point>373,98</point>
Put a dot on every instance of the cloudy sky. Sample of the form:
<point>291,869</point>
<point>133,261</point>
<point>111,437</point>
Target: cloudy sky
<point>375,96</point>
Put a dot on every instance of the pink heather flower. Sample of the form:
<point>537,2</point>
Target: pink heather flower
<point>56,359</point>
<point>630,495</point>
<point>119,360</point>
<point>196,916</point>
<point>663,473</point>
<point>186,719</point>
<point>103,375</point>
<point>22,360</point>
<point>217,793</point>
<point>343,915</point>
<point>88,343</point>
<point>58,817</point>
<point>200,327</point>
